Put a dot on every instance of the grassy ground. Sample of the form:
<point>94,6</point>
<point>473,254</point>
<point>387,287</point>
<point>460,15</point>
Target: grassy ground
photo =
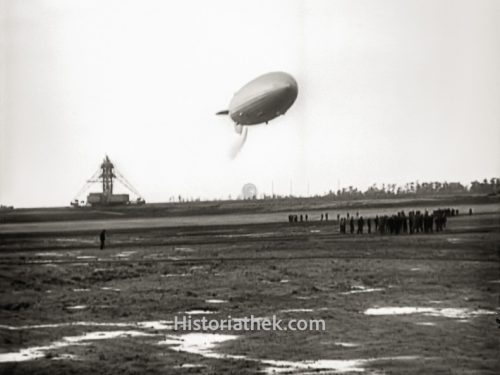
<point>239,207</point>
<point>259,270</point>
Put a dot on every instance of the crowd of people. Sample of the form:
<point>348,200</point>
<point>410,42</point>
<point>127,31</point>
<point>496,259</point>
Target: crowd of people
<point>412,222</point>
<point>295,218</point>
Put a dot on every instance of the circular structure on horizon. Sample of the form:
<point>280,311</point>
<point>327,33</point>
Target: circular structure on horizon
<point>249,191</point>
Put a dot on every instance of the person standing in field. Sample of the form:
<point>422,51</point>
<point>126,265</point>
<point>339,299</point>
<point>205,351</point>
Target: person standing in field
<point>102,238</point>
<point>361,224</point>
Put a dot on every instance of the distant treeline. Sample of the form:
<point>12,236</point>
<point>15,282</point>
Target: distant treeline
<point>412,189</point>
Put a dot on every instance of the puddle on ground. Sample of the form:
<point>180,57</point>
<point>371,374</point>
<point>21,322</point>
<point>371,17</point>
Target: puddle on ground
<point>415,269</point>
<point>177,275</point>
<point>188,365</point>
<point>346,344</point>
<point>152,324</point>
<point>81,290</point>
<point>362,289</point>
<point>111,289</point>
<point>40,351</point>
<point>124,254</point>
<point>216,301</point>
<point>425,324</point>
<point>199,312</point>
<point>199,343</point>
<point>76,307</point>
<point>326,365</point>
<point>495,281</point>
<point>86,257</point>
<point>318,366</point>
<point>62,357</point>
<point>296,310</point>
<point>159,325</point>
<point>68,324</point>
<point>205,344</point>
<point>454,313</point>
<point>284,281</point>
<point>315,231</point>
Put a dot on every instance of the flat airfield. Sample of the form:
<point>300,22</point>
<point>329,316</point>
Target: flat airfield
<point>418,304</point>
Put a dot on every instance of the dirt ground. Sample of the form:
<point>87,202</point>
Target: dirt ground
<point>418,304</point>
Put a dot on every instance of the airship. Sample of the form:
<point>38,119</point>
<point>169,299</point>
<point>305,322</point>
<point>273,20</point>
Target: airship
<point>261,100</point>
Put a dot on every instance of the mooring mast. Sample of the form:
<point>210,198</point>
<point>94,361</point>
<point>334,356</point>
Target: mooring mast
<point>106,175</point>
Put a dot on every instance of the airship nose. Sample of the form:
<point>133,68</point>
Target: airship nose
<point>286,89</point>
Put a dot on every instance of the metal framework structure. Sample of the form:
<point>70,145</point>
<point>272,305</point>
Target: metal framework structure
<point>106,176</point>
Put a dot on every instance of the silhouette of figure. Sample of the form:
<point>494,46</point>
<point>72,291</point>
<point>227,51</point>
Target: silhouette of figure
<point>102,238</point>
<point>361,224</point>
<point>326,217</point>
<point>369,224</point>
<point>351,225</point>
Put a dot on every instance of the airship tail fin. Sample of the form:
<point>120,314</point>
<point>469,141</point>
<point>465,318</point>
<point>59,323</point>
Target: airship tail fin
<point>224,112</point>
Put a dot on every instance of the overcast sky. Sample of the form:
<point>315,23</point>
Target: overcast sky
<point>389,91</point>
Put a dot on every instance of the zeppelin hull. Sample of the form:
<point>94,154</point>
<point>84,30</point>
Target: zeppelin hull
<point>263,99</point>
